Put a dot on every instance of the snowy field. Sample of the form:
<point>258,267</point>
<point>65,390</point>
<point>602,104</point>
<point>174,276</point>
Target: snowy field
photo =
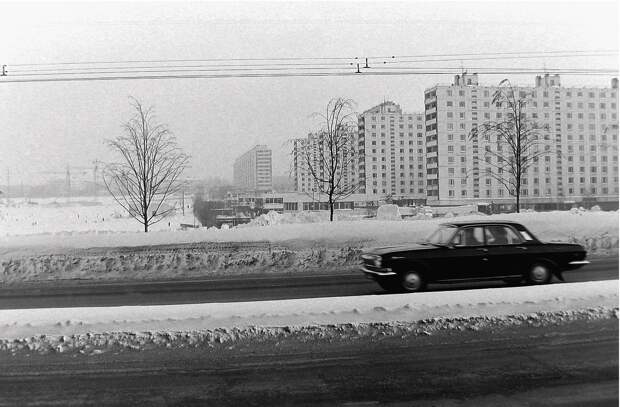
<point>94,242</point>
<point>596,230</point>
<point>310,312</point>
<point>79,215</point>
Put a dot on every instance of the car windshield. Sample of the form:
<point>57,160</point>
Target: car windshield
<point>442,235</point>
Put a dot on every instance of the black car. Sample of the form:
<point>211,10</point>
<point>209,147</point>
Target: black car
<point>462,251</point>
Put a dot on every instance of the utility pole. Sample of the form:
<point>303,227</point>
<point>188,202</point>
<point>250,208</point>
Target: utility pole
<point>68,182</point>
<point>8,185</point>
<point>96,162</point>
<point>183,199</point>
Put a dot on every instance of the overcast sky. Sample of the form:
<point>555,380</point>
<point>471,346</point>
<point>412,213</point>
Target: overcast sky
<point>46,126</point>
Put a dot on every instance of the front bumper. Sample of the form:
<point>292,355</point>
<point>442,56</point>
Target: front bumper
<point>573,265</point>
<point>579,263</point>
<point>376,272</point>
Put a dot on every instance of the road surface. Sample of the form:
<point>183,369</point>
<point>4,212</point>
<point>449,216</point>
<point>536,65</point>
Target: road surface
<point>570,364</point>
<point>230,289</point>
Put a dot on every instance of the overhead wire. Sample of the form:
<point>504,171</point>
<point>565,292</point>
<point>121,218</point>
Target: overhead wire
<point>317,58</point>
<point>269,75</point>
<point>290,67</point>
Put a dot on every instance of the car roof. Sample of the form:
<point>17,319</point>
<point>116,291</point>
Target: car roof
<point>482,222</point>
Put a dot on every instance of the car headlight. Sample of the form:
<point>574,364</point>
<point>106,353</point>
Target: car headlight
<point>378,261</point>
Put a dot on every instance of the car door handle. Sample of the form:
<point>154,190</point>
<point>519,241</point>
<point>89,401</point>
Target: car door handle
<point>482,249</point>
<point>522,247</point>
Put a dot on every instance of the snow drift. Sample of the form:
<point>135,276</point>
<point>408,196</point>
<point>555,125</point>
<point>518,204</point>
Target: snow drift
<point>310,312</point>
<point>293,247</point>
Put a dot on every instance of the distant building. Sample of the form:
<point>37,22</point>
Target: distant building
<point>307,151</point>
<point>390,161</point>
<point>392,157</point>
<point>252,170</point>
<point>581,140</point>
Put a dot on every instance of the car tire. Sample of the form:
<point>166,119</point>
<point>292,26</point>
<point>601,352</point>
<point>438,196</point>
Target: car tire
<point>539,273</point>
<point>412,281</point>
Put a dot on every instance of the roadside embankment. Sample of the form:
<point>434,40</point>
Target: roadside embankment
<point>101,329</point>
<point>299,248</point>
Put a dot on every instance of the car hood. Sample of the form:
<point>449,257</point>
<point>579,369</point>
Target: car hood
<point>400,248</point>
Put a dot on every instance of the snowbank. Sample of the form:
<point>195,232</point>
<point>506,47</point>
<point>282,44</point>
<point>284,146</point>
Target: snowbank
<point>274,218</point>
<point>313,247</point>
<point>388,212</point>
<point>177,261</point>
<point>310,312</point>
<point>597,229</point>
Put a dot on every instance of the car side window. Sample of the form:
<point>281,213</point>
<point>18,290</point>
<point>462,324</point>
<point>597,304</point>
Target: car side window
<point>501,235</point>
<point>469,236</point>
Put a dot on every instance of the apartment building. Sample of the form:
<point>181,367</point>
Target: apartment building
<point>580,138</point>
<point>252,170</point>
<point>311,152</point>
<point>391,152</point>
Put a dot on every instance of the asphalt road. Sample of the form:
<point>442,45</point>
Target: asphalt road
<point>570,364</point>
<point>233,289</point>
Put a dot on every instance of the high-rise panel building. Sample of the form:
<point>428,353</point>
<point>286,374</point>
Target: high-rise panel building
<point>307,154</point>
<point>580,140</point>
<point>252,170</point>
<point>391,150</point>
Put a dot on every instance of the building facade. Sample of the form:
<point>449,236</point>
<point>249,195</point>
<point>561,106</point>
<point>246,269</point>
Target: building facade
<point>392,153</point>
<point>311,151</point>
<point>252,171</point>
<point>580,141</point>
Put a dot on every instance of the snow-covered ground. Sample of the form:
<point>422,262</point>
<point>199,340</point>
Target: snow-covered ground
<point>79,215</point>
<point>595,229</point>
<point>294,247</point>
<point>310,312</point>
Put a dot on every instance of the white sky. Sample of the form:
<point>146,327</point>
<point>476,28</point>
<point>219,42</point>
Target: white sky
<point>45,126</point>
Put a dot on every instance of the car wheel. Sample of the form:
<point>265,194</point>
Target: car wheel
<point>539,273</point>
<point>412,282</point>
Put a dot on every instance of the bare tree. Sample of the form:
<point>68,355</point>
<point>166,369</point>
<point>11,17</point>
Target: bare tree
<point>331,159</point>
<point>517,137</point>
<point>149,168</point>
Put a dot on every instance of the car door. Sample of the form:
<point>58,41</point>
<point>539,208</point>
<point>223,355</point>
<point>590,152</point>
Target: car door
<point>507,255</point>
<point>467,258</point>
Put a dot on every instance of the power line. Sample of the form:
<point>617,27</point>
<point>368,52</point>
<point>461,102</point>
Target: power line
<point>350,58</point>
<point>187,60</point>
<point>281,75</point>
<point>183,66</point>
<point>291,67</point>
<point>504,53</point>
<point>489,58</point>
<point>291,70</point>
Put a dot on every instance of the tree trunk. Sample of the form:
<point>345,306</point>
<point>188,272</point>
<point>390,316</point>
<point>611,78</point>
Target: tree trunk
<point>331,209</point>
<point>146,228</point>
